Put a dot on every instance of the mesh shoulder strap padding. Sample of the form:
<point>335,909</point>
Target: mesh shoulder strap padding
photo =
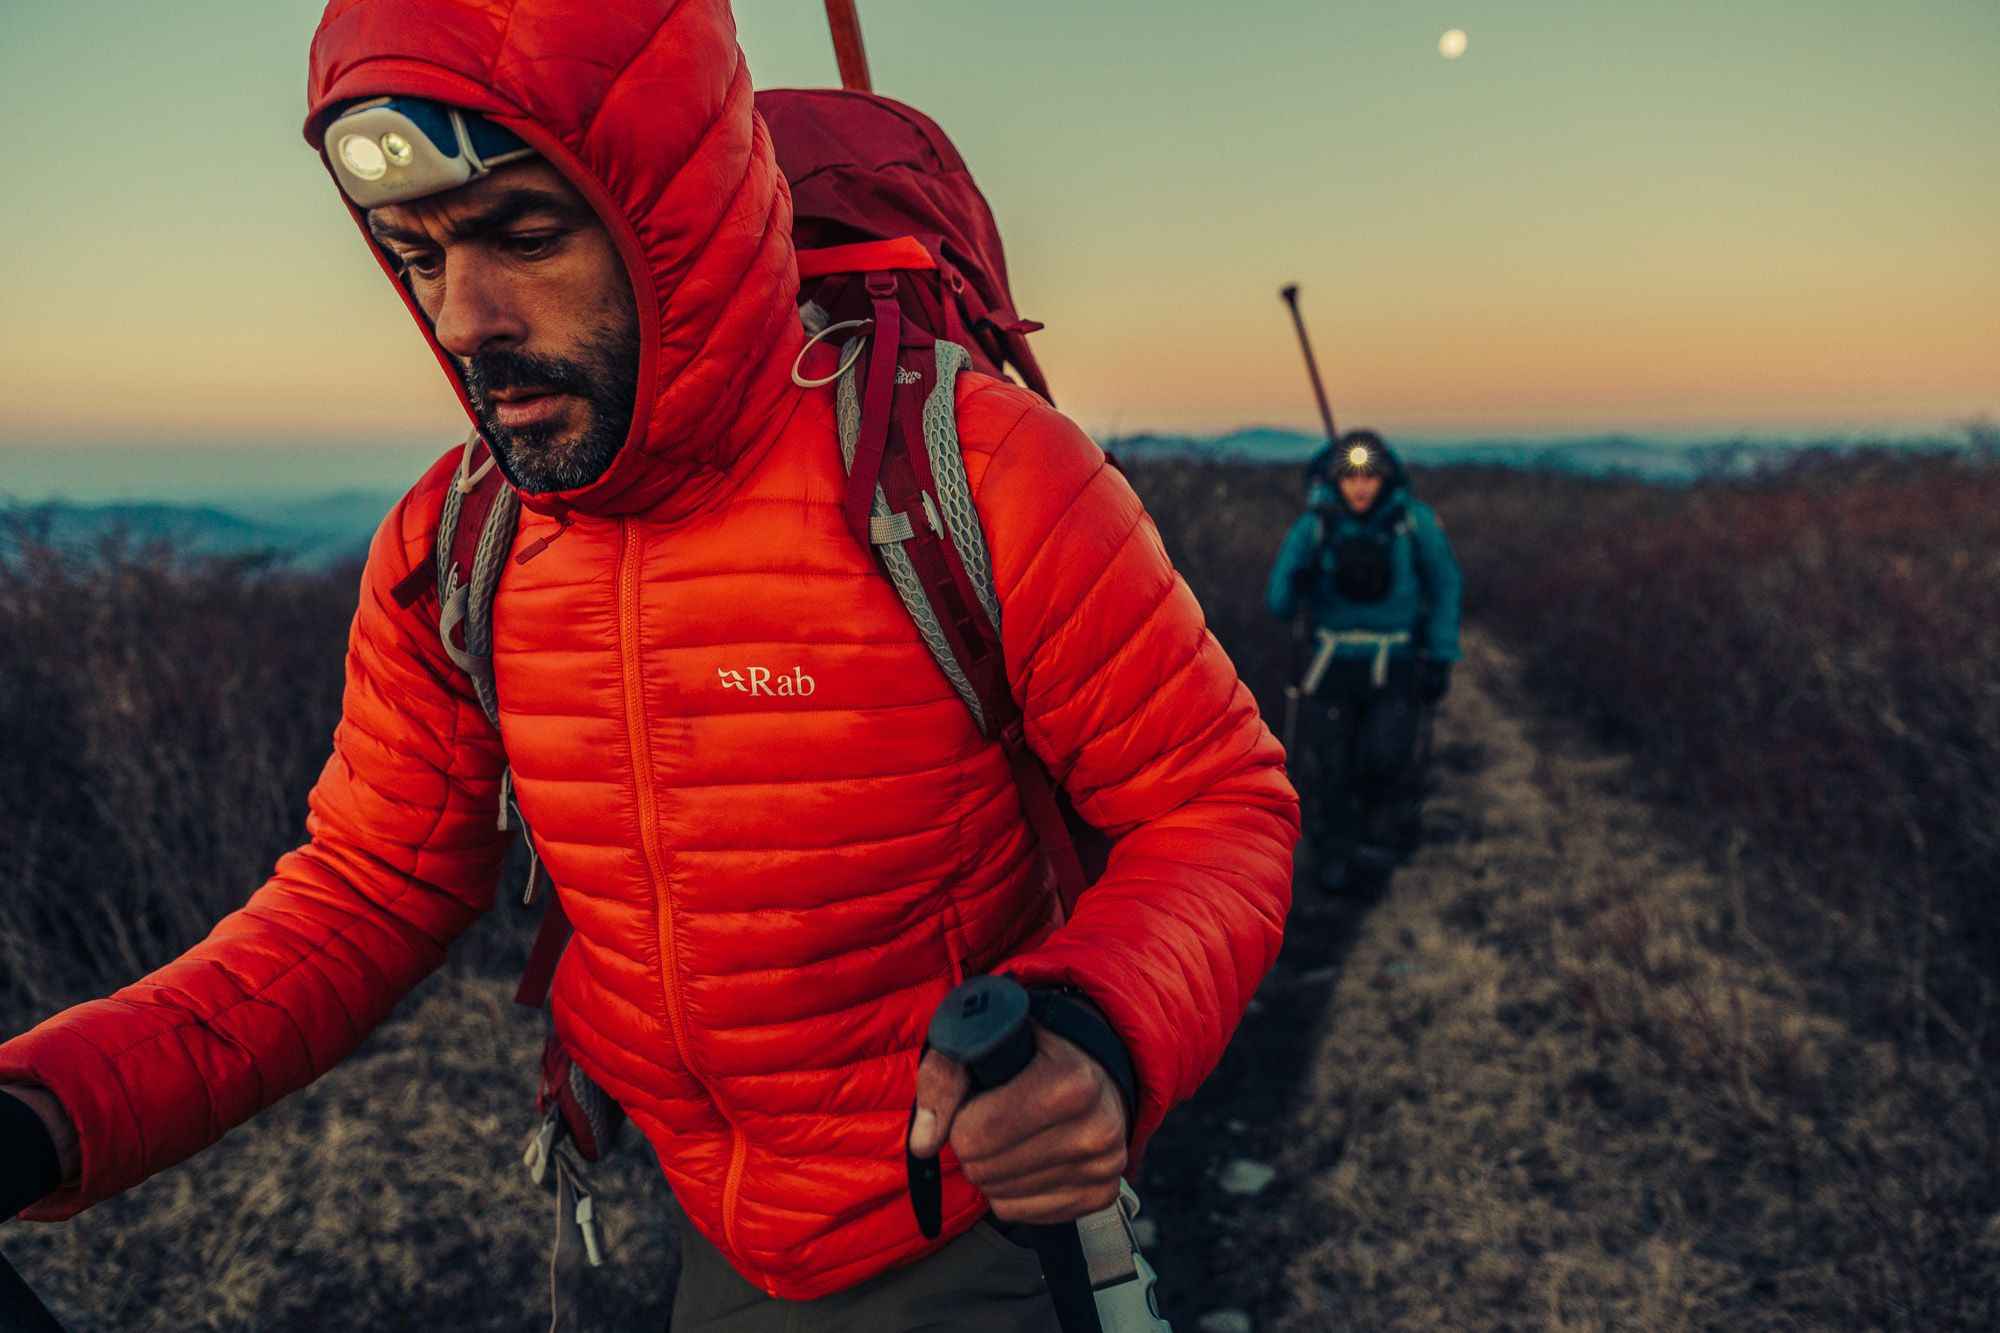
<point>475,532</point>
<point>962,634</point>
<point>888,529</point>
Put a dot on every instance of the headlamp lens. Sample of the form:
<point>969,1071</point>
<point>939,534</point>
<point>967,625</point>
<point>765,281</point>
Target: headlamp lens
<point>397,149</point>
<point>364,158</point>
<point>1357,456</point>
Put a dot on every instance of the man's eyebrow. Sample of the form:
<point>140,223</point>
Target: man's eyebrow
<point>498,214</point>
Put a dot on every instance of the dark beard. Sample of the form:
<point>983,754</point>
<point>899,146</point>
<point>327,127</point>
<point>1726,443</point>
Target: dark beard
<point>605,377</point>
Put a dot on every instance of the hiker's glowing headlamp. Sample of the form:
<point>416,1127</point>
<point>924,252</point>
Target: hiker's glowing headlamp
<point>393,149</point>
<point>1361,460</point>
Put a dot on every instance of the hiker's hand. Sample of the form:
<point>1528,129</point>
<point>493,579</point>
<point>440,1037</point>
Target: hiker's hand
<point>49,1119</point>
<point>1048,1146</point>
<point>1436,681</point>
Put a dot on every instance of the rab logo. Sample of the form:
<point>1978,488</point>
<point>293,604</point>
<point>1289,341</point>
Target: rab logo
<point>759,680</point>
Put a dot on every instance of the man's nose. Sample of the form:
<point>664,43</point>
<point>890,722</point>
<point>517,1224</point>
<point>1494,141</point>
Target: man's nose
<point>477,313</point>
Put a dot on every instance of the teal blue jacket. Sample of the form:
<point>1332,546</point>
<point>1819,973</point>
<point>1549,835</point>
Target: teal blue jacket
<point>1424,585</point>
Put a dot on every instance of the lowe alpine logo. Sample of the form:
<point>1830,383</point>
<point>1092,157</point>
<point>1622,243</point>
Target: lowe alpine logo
<point>759,680</point>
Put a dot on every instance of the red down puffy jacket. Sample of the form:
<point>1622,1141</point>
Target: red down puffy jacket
<point>771,889</point>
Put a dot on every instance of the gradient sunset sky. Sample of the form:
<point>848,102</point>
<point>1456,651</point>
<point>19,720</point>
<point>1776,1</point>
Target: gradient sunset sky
<point>1709,215</point>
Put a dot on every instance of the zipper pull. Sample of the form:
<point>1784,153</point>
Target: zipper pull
<point>540,544</point>
<point>535,875</point>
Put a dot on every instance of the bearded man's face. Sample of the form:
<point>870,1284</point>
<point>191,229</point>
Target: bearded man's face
<point>524,287</point>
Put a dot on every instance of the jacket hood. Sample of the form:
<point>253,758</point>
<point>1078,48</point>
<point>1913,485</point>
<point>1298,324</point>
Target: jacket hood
<point>645,106</point>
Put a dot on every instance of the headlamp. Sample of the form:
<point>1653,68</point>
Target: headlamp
<point>389,150</point>
<point>1361,459</point>
<point>360,155</point>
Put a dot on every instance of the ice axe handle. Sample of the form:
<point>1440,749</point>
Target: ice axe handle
<point>847,47</point>
<point>1290,293</point>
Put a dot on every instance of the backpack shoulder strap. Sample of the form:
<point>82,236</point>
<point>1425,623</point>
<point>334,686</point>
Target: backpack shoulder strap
<point>475,533</point>
<point>1406,528</point>
<point>926,532</point>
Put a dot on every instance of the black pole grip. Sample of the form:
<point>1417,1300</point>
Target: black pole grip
<point>983,1025</point>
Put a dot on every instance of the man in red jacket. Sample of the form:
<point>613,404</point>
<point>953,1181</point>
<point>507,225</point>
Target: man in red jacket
<point>770,893</point>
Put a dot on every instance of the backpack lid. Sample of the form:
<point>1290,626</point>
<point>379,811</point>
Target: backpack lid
<point>863,167</point>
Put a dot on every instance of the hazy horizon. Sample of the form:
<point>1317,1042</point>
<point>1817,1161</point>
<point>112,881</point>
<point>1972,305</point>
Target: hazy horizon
<point>222,473</point>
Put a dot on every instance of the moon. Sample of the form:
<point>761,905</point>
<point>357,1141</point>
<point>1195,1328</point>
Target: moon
<point>1452,45</point>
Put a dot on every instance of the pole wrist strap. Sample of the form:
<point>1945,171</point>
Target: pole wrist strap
<point>1071,1015</point>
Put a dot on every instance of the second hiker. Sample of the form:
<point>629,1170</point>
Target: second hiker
<point>1369,568</point>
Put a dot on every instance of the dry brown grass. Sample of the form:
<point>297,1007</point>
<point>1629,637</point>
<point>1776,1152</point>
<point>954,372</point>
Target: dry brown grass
<point>1562,1088</point>
<point>387,1195</point>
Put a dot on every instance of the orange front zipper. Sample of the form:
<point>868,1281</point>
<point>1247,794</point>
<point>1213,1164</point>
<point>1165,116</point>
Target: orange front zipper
<point>640,738</point>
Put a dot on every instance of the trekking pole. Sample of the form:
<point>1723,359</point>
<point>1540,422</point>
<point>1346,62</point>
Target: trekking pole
<point>1427,719</point>
<point>847,48</point>
<point>20,1308</point>
<point>1099,1281</point>
<point>1291,294</point>
<point>1293,695</point>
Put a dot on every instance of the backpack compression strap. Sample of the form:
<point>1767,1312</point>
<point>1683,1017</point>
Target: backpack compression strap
<point>926,531</point>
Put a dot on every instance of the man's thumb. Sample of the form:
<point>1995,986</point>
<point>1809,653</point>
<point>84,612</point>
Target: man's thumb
<point>942,1084</point>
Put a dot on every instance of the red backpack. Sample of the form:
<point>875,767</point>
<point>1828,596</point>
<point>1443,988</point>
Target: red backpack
<point>897,247</point>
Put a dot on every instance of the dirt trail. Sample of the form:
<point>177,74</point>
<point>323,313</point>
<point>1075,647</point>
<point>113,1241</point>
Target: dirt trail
<point>1530,1088</point>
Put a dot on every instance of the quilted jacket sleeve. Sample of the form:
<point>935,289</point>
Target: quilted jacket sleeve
<point>1135,708</point>
<point>402,857</point>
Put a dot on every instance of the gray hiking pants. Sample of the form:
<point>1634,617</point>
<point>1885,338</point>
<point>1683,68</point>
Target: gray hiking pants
<point>982,1282</point>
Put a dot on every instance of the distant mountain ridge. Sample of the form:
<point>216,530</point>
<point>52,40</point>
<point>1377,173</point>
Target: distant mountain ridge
<point>1597,455</point>
<point>317,530</point>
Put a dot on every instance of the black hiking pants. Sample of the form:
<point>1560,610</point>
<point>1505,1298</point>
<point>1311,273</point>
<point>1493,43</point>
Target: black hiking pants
<point>1364,782</point>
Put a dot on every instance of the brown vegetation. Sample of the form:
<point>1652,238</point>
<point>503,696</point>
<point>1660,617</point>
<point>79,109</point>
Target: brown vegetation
<point>1814,657</point>
<point>1697,1038</point>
